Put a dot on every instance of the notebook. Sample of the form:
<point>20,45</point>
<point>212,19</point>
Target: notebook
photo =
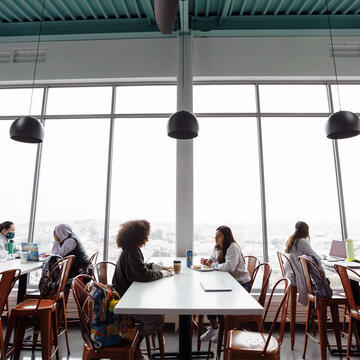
<point>215,285</point>
<point>33,252</point>
<point>337,251</point>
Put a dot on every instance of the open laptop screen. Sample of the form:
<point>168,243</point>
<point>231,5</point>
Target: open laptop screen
<point>338,249</point>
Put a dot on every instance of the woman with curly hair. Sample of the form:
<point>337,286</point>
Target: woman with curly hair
<point>131,267</point>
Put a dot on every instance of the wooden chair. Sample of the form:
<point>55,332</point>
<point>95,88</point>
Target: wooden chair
<point>283,259</point>
<point>101,275</point>
<point>322,304</point>
<point>89,269</point>
<point>101,272</point>
<point>44,313</point>
<point>258,345</point>
<point>354,309</point>
<point>7,281</point>
<point>251,263</point>
<point>61,302</point>
<point>83,299</point>
<point>232,321</point>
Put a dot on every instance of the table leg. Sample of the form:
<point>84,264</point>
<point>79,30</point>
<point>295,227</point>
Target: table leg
<point>185,337</point>
<point>23,280</point>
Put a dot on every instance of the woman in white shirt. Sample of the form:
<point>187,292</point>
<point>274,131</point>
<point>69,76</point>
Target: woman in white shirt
<point>226,256</point>
<point>7,232</point>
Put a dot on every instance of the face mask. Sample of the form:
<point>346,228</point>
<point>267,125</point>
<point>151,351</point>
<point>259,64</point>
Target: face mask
<point>10,235</point>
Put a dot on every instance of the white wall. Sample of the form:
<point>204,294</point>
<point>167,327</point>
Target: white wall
<point>245,58</point>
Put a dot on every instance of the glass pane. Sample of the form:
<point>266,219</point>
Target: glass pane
<point>79,100</point>
<point>349,97</point>
<point>143,185</point>
<point>300,183</point>
<point>293,98</point>
<point>17,101</point>
<point>226,184</point>
<point>349,150</point>
<point>18,165</point>
<point>224,98</point>
<point>146,99</point>
<point>72,184</point>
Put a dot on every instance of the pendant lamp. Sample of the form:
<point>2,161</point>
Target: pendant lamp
<point>165,14</point>
<point>341,124</point>
<point>183,125</point>
<point>27,129</point>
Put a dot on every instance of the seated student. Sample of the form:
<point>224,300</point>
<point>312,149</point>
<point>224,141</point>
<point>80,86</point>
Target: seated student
<point>67,243</point>
<point>226,256</point>
<point>297,245</point>
<point>131,267</point>
<point>7,232</point>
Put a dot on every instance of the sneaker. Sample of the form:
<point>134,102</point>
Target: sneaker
<point>209,334</point>
<point>214,339</point>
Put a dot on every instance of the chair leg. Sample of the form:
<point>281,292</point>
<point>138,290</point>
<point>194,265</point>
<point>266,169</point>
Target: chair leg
<point>55,332</point>
<point>148,346</point>
<point>19,336</point>
<point>45,331</point>
<point>161,343</point>
<point>292,299</point>
<point>321,307</point>
<point>349,339</point>
<point>65,324</point>
<point>2,345</point>
<point>308,320</point>
<point>208,352</point>
<point>9,329</point>
<point>199,331</point>
<point>336,321</point>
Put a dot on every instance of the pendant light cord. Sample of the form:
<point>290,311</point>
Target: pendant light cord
<point>37,54</point>
<point>333,53</point>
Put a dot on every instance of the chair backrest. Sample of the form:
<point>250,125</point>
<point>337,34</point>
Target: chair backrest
<point>69,261</point>
<point>80,289</point>
<point>305,263</point>
<point>283,259</point>
<point>8,279</point>
<point>101,271</point>
<point>265,281</point>
<point>282,308</point>
<point>91,263</point>
<point>344,277</point>
<point>59,268</point>
<point>252,262</point>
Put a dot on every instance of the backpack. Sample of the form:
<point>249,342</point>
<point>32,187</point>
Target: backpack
<point>107,328</point>
<point>48,284</point>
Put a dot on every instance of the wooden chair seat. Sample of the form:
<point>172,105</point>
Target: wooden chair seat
<point>250,345</point>
<point>29,306</point>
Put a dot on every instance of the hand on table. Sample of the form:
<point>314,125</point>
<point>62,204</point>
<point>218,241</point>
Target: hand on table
<point>206,262</point>
<point>168,268</point>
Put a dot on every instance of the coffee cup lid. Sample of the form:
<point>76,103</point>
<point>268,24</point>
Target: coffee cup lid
<point>177,261</point>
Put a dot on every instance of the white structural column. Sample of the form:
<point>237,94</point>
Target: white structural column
<point>184,153</point>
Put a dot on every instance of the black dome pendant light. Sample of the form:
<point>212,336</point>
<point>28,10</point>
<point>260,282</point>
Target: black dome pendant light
<point>341,124</point>
<point>165,15</point>
<point>183,125</point>
<point>27,129</point>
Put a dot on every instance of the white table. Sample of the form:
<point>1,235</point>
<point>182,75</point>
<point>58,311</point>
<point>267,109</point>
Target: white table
<point>182,294</point>
<point>25,268</point>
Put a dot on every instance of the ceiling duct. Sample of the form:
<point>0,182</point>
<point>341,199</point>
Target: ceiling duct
<point>165,14</point>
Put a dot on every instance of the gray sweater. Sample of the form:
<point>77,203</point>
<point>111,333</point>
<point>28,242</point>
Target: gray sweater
<point>301,247</point>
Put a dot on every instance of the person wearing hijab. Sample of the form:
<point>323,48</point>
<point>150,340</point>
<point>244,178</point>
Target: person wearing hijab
<point>67,243</point>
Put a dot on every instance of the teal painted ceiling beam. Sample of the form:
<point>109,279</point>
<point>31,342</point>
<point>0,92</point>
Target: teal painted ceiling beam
<point>148,10</point>
<point>285,22</point>
<point>225,10</point>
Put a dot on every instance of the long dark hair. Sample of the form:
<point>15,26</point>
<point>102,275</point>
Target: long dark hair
<point>228,240</point>
<point>301,231</point>
<point>6,225</point>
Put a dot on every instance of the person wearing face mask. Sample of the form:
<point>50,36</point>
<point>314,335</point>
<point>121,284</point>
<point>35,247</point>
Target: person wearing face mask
<point>226,256</point>
<point>297,245</point>
<point>7,232</point>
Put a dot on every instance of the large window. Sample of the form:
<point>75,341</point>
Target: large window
<point>300,182</point>
<point>144,183</point>
<point>73,181</point>
<point>226,179</point>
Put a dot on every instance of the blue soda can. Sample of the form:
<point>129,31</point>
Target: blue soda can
<point>189,258</point>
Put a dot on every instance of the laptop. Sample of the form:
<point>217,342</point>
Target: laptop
<point>337,251</point>
<point>32,249</point>
<point>215,285</point>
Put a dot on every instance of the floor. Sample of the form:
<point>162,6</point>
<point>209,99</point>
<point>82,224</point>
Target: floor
<point>76,343</point>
